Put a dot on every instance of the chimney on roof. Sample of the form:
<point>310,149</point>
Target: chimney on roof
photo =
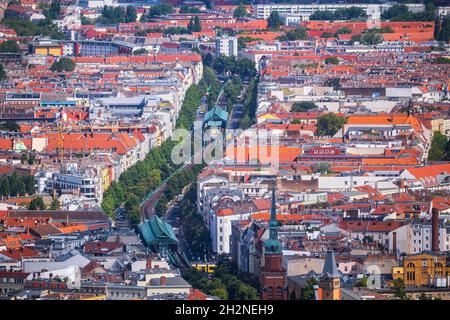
<point>149,264</point>
<point>435,230</point>
<point>163,280</point>
<point>394,242</point>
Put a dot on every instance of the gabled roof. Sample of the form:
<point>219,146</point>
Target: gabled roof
<point>214,113</point>
<point>427,175</point>
<point>155,231</point>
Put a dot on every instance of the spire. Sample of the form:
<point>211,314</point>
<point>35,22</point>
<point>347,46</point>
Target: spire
<point>273,245</point>
<point>329,268</point>
<point>273,211</point>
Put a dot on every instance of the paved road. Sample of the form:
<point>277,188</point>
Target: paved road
<point>235,117</point>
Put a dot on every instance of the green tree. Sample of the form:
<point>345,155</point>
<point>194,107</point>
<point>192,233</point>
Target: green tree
<point>333,82</point>
<point>131,14</point>
<point>140,52</point>
<point>372,38</point>
<point>23,158</point>
<point>327,35</point>
<point>53,11</point>
<point>344,30</point>
<point>37,204</point>
<point>296,34</point>
<point>307,292</point>
<point>328,124</point>
<point>400,12</point>
<point>10,126</point>
<point>361,283</point>
<point>303,106</point>
<point>332,60</point>
<point>44,28</point>
<point>3,75</point>
<point>5,188</point>
<point>321,167</point>
<point>240,12</point>
<point>17,185</point>
<point>29,182</point>
<point>442,60</point>
<point>63,64</point>
<point>194,24</point>
<point>187,9</point>
<point>274,21</point>
<point>9,46</point>
<point>439,148</point>
<point>399,289</point>
<point>444,34</point>
<point>55,204</point>
<point>322,15</point>
<point>158,10</point>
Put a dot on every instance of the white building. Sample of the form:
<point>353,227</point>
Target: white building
<point>373,11</point>
<point>443,11</point>
<point>227,46</point>
<point>220,228</point>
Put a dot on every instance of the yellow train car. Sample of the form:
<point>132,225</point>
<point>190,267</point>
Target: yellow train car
<point>204,267</point>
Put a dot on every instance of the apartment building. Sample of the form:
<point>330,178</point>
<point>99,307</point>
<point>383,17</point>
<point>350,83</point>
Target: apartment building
<point>373,11</point>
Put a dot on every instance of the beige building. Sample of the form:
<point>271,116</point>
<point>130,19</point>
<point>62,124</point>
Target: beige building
<point>296,265</point>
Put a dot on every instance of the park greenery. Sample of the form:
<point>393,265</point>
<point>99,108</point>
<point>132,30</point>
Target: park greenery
<point>329,124</point>
<point>232,91</point>
<point>194,24</point>
<point>250,103</point>
<point>399,289</point>
<point>303,106</point>
<point>194,230</point>
<point>240,12</point>
<point>63,65</point>
<point>344,30</point>
<point>274,21</point>
<point>147,175</point>
<point>16,185</point>
<point>440,148</point>
<point>3,75</point>
<point>51,11</point>
<point>351,13</point>
<point>442,29</point>
<point>36,203</point>
<point>9,46</point>
<point>228,282</point>
<point>25,28</point>
<point>371,37</point>
<point>242,41</point>
<point>115,15</point>
<point>400,12</point>
<point>332,60</point>
<point>157,10</point>
<point>295,34</point>
<point>307,292</point>
<point>187,9</point>
<point>166,31</point>
<point>233,66</point>
<point>333,82</point>
<point>10,126</point>
<point>442,60</point>
<point>321,167</point>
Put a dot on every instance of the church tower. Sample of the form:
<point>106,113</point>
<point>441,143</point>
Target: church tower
<point>330,282</point>
<point>273,275</point>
